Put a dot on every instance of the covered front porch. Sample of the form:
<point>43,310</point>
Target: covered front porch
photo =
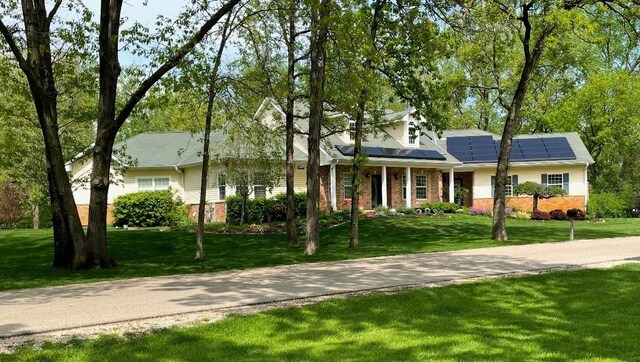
<point>462,180</point>
<point>389,186</point>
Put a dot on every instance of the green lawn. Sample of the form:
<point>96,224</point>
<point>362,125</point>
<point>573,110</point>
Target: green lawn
<point>26,255</point>
<point>588,315</point>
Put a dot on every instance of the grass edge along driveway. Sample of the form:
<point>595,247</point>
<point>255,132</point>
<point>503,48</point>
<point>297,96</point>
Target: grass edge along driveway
<point>569,315</point>
<point>26,255</point>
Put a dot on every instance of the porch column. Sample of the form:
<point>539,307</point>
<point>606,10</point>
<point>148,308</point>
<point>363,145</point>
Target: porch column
<point>332,178</point>
<point>384,186</point>
<point>407,196</point>
<point>451,189</point>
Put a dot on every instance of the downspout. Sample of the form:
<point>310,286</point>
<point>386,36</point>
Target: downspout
<point>586,184</point>
<point>182,177</point>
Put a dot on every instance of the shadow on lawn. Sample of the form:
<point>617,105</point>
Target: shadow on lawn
<point>577,315</point>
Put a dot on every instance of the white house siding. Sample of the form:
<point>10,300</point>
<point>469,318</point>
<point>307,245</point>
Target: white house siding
<point>396,131</point>
<point>80,173</point>
<point>577,187</point>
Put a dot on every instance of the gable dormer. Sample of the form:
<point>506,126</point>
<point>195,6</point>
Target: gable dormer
<point>412,128</point>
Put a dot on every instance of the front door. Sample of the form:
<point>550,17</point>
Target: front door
<point>376,190</point>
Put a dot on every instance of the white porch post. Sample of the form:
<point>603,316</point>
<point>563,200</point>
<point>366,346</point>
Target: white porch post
<point>384,186</point>
<point>332,177</point>
<point>407,196</point>
<point>451,189</point>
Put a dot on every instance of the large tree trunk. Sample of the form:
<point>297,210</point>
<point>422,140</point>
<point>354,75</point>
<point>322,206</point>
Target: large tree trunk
<point>499,230</point>
<point>319,14</point>
<point>357,170</point>
<point>62,244</point>
<point>292,237</point>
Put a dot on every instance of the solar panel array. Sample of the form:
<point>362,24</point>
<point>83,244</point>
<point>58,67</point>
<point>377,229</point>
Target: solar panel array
<point>484,149</point>
<point>394,153</point>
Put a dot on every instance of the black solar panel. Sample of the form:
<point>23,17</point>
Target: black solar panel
<point>394,152</point>
<point>484,149</point>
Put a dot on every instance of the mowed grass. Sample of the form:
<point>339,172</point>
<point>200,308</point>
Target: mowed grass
<point>26,255</point>
<point>587,315</point>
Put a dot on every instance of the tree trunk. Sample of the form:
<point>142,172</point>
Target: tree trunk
<point>357,170</point>
<point>62,243</point>
<point>207,139</point>
<point>499,230</point>
<point>319,15</point>
<point>243,210</point>
<point>535,203</point>
<point>292,237</point>
<point>35,214</point>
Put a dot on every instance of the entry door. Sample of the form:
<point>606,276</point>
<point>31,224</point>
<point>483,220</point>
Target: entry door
<point>376,190</point>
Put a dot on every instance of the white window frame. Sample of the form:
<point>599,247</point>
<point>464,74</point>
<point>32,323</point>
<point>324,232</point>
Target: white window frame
<point>352,130</point>
<point>412,133</point>
<point>426,191</point>
<point>559,184</point>
<point>347,184</point>
<point>508,188</point>
<point>153,183</point>
<point>222,186</point>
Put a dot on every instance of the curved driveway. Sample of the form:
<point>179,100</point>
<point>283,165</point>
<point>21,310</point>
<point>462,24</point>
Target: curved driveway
<point>33,311</point>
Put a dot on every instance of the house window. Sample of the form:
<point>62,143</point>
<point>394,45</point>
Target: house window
<point>352,130</point>
<point>222,186</point>
<point>511,181</point>
<point>421,187</point>
<point>404,187</point>
<point>150,184</point>
<point>413,134</point>
<point>346,182</point>
<point>554,179</point>
<point>260,191</point>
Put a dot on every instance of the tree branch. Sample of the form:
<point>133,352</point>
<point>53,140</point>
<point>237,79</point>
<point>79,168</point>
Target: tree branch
<point>172,62</point>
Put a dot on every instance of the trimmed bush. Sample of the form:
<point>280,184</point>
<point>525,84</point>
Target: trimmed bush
<point>540,215</point>
<point>148,208</point>
<point>558,214</point>
<point>579,212</point>
<point>261,210</point>
<point>608,205</point>
<point>405,210</point>
<point>480,211</point>
<point>446,207</point>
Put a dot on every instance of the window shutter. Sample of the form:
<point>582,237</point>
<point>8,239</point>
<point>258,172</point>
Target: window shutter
<point>514,180</point>
<point>493,186</point>
<point>565,183</point>
<point>544,179</point>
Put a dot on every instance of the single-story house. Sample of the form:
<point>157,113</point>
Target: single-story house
<point>404,169</point>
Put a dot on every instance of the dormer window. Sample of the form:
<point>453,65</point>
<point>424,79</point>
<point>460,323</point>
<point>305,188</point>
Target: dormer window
<point>352,130</point>
<point>413,133</point>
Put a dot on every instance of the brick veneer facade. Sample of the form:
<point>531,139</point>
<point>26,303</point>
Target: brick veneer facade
<point>467,183</point>
<point>395,197</point>
<point>219,212</point>
<point>526,203</point>
<point>83,211</point>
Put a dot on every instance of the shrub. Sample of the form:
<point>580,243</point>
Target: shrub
<point>11,204</point>
<point>522,215</point>
<point>148,208</point>
<point>480,211</point>
<point>557,214</point>
<point>579,212</point>
<point>608,205</point>
<point>405,210</point>
<point>540,215</point>
<point>261,210</point>
<point>381,210</point>
<point>446,207</point>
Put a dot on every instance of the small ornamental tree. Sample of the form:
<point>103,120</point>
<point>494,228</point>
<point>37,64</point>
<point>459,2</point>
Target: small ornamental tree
<point>11,203</point>
<point>537,191</point>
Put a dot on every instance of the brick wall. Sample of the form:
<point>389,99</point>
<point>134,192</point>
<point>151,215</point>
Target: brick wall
<point>467,183</point>
<point>83,211</point>
<point>394,186</point>
<point>219,212</point>
<point>526,203</point>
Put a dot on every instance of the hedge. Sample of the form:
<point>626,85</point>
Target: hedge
<point>148,208</point>
<point>261,210</point>
<point>446,207</point>
<point>608,204</point>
